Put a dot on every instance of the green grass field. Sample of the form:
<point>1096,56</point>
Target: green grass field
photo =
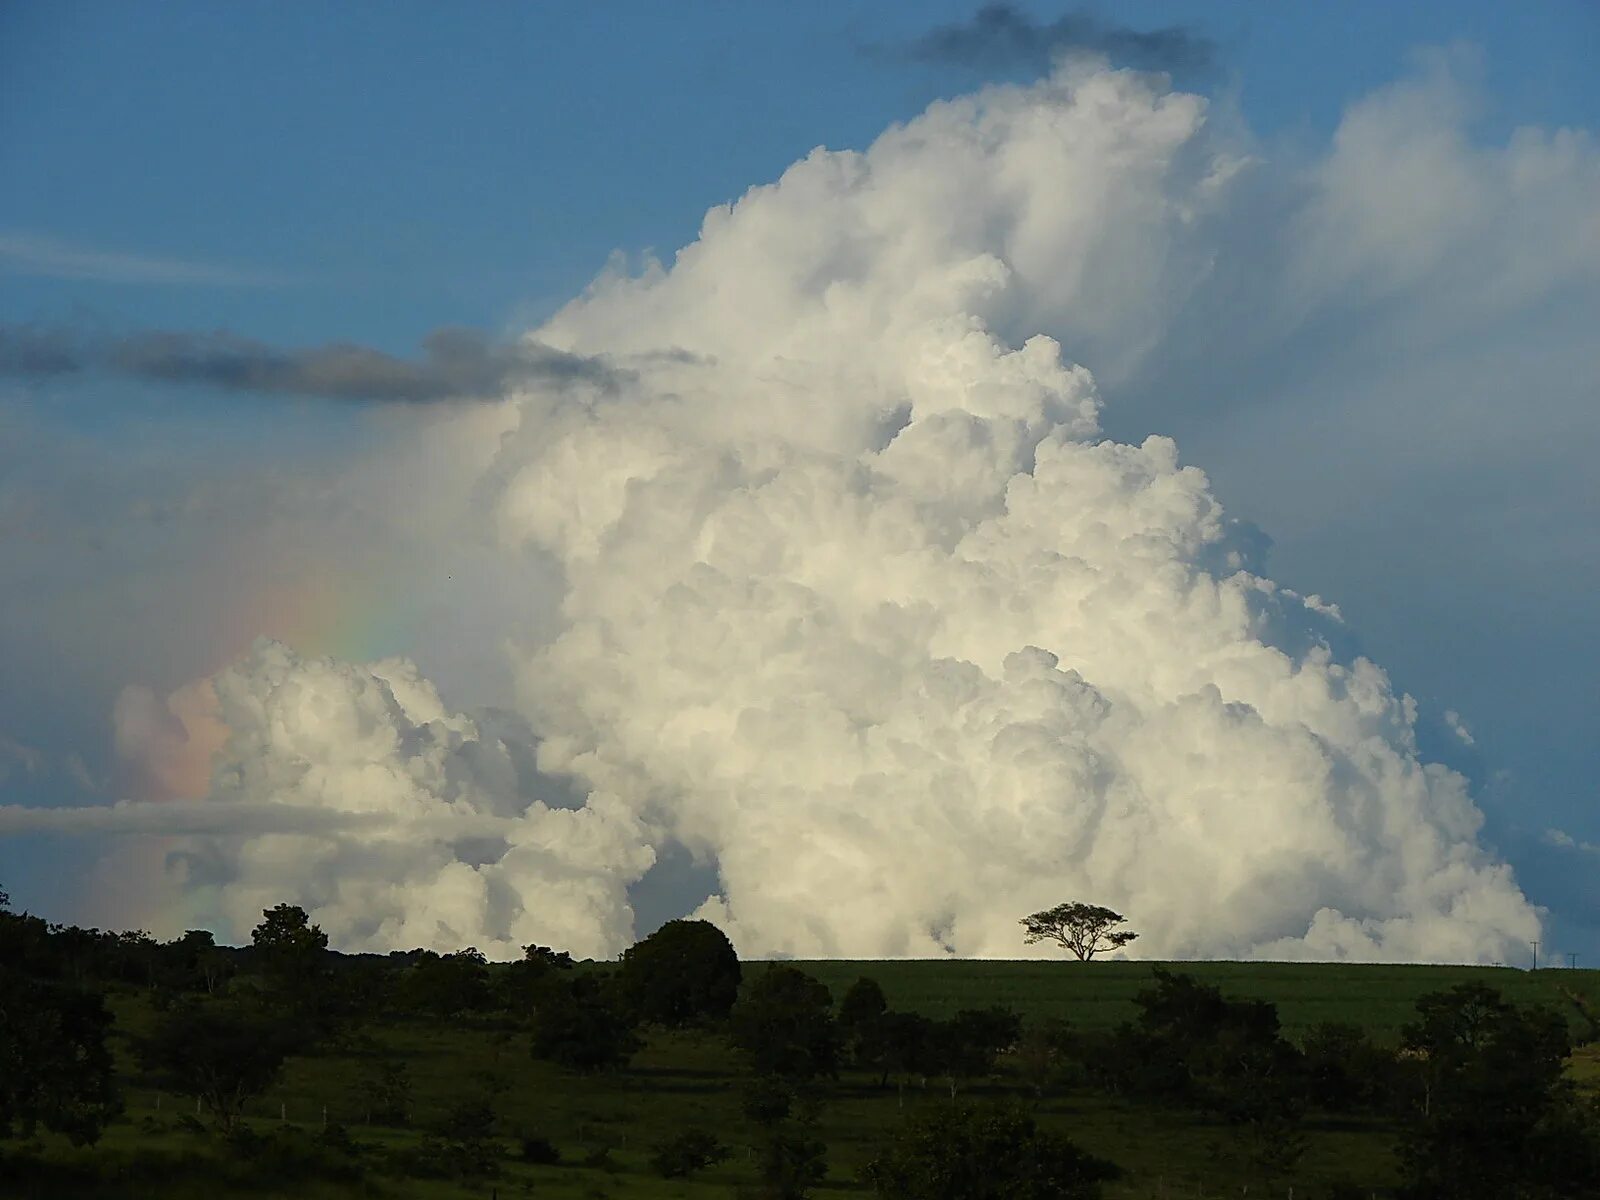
<point>684,1080</point>
<point>1098,995</point>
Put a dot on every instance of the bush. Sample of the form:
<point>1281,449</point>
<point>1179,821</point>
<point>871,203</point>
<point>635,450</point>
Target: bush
<point>443,1158</point>
<point>690,1151</point>
<point>767,1100</point>
<point>580,1026</point>
<point>791,1162</point>
<point>538,1150</point>
<point>290,1154</point>
<point>953,1152</point>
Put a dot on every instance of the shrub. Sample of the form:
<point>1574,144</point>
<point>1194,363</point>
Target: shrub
<point>690,1151</point>
<point>539,1150</point>
<point>953,1152</point>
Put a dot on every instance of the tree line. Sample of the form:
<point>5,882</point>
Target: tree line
<point>1476,1090</point>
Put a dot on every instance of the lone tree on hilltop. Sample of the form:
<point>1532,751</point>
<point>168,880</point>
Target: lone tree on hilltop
<point>1085,929</point>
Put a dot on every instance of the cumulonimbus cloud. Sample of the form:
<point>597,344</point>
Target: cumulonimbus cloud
<point>862,608</point>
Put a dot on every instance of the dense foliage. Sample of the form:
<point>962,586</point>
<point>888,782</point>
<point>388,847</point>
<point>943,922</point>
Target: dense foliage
<point>429,1063</point>
<point>952,1152</point>
<point>684,972</point>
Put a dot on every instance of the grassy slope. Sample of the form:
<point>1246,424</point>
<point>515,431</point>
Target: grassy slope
<point>684,1080</point>
<point>1097,995</point>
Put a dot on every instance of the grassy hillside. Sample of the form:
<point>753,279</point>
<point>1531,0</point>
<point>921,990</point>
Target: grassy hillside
<point>1098,995</point>
<point>604,1126</point>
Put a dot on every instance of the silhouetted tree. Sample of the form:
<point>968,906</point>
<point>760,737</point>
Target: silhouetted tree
<point>966,1046</point>
<point>193,963</point>
<point>291,955</point>
<point>685,1153</point>
<point>581,1025</point>
<point>684,972</point>
<point>55,1069</point>
<point>950,1152</point>
<point>1045,1053</point>
<point>445,985</point>
<point>518,986</point>
<point>791,1160</point>
<point>860,1011</point>
<point>221,1054</point>
<point>784,1023</point>
<point>384,1089</point>
<point>560,960</point>
<point>1344,1071</point>
<point>1496,1115</point>
<point>898,1044</point>
<point>1084,929</point>
<point>862,1002</point>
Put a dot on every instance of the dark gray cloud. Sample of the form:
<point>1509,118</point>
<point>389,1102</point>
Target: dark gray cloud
<point>455,364</point>
<point>1000,37</point>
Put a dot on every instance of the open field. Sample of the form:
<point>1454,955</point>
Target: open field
<point>604,1126</point>
<point>1098,995</point>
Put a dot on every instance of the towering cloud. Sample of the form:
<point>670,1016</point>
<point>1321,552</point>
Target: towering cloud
<point>860,608</point>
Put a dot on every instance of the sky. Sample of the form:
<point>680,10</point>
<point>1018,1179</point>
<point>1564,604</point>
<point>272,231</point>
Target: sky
<point>634,535</point>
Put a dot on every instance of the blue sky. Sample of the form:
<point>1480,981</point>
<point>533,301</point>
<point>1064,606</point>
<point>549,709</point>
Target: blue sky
<point>372,172</point>
<point>402,166</point>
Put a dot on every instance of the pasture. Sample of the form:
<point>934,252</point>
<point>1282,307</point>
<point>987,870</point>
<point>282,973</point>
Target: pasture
<point>604,1126</point>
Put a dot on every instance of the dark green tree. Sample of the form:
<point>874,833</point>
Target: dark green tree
<point>1045,1053</point>
<point>383,1090</point>
<point>519,986</point>
<point>966,1046</point>
<point>1496,1116</point>
<point>581,1025</point>
<point>1194,1046</point>
<point>784,1023</point>
<point>291,955</point>
<point>864,1001</point>
<point>192,963</point>
<point>898,1044</point>
<point>55,1069</point>
<point>221,1054</point>
<point>684,972</point>
<point>447,985</point>
<point>953,1152</point>
<point>791,1160</point>
<point>1345,1071</point>
<point>685,1153</point>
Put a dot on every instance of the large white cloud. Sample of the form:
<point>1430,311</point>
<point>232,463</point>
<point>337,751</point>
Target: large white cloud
<point>352,790</point>
<point>860,607</point>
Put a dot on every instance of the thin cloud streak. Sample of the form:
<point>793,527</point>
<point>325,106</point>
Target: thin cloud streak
<point>456,364</point>
<point>187,818</point>
<point>42,255</point>
<point>999,37</point>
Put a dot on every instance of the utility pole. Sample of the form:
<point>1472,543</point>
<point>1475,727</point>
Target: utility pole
<point>1572,960</point>
<point>1536,956</point>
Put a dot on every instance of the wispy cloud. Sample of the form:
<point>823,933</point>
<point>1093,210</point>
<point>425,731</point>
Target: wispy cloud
<point>187,818</point>
<point>999,37</point>
<point>456,364</point>
<point>1563,839</point>
<point>37,254</point>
